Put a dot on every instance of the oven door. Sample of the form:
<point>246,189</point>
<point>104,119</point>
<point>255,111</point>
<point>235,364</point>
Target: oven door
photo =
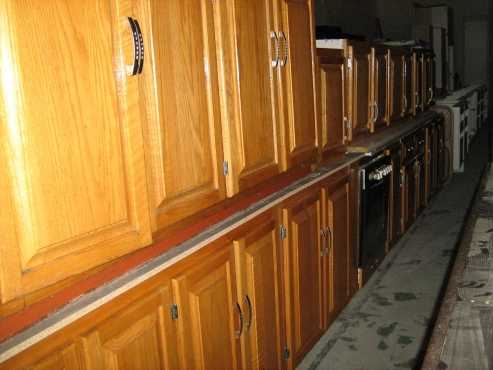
<point>374,221</point>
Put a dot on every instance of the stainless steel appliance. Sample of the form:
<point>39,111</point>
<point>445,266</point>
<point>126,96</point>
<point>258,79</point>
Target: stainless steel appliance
<point>374,212</point>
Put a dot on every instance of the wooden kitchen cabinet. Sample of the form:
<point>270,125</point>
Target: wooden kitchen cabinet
<point>259,271</point>
<point>397,85</point>
<point>408,104</point>
<point>141,336</point>
<point>359,92</point>
<point>340,267</point>
<point>297,68</point>
<point>428,79</point>
<point>250,91</point>
<point>73,184</point>
<point>418,82</point>
<point>210,319</point>
<point>183,130</point>
<point>379,87</point>
<point>395,214</point>
<point>334,118</point>
<point>303,267</point>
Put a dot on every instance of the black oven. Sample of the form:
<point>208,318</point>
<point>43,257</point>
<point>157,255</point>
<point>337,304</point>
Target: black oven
<point>374,212</point>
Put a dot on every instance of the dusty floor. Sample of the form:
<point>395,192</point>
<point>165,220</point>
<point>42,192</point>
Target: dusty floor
<point>387,324</point>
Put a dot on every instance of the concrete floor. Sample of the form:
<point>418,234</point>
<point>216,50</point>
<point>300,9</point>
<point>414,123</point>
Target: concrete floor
<point>387,324</point>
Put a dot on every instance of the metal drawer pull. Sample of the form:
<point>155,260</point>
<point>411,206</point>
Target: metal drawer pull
<point>273,37</point>
<point>250,312</point>
<point>138,65</point>
<point>284,61</point>
<point>240,314</point>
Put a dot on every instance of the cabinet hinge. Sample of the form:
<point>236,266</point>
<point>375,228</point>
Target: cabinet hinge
<point>283,232</point>
<point>350,63</point>
<point>286,353</point>
<point>174,312</point>
<point>225,168</point>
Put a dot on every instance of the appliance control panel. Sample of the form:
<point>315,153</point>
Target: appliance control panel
<point>380,172</point>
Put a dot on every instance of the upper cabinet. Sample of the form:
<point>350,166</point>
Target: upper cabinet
<point>183,131</point>
<point>397,83</point>
<point>359,59</point>
<point>334,128</point>
<point>379,87</point>
<point>73,189</point>
<point>408,85</point>
<point>418,82</point>
<point>247,39</point>
<point>297,67</point>
<point>428,79</point>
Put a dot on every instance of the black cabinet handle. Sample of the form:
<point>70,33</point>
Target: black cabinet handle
<point>138,47</point>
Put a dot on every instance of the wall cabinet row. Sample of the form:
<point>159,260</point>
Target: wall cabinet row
<point>258,298</point>
<point>105,145</point>
<point>364,87</point>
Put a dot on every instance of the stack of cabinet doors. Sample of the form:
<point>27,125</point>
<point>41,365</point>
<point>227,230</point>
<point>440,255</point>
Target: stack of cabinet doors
<point>104,146</point>
<point>257,298</point>
<point>364,88</point>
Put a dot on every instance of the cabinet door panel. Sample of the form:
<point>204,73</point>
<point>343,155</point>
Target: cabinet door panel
<point>137,338</point>
<point>339,239</point>
<point>249,91</point>
<point>206,296</point>
<point>360,95</point>
<point>333,104</point>
<point>418,82</point>
<point>396,87</point>
<point>379,86</point>
<point>72,140</point>
<point>303,266</point>
<point>69,358</point>
<point>408,86</point>
<point>300,139</point>
<point>184,133</point>
<point>257,249</point>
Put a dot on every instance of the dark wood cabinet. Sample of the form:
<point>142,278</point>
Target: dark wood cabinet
<point>428,79</point>
<point>395,204</point>
<point>417,74</point>
<point>379,87</point>
<point>334,128</point>
<point>397,85</point>
<point>359,58</point>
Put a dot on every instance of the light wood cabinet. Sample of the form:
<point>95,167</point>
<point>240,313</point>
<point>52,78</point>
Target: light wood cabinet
<point>249,81</point>
<point>68,358</point>
<point>334,118</point>
<point>258,253</point>
<point>141,336</point>
<point>303,265</point>
<point>297,67</point>
<point>183,130</point>
<point>340,269</point>
<point>210,319</point>
<point>359,92</point>
<point>73,181</point>
<point>379,87</point>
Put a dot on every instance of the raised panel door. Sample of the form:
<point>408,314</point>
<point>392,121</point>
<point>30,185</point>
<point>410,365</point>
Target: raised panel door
<point>141,336</point>
<point>246,36</point>
<point>303,262</point>
<point>396,96</point>
<point>257,249</point>
<point>210,319</point>
<point>298,82</point>
<point>338,277</point>
<point>379,88</point>
<point>418,82</point>
<point>333,105</point>
<point>360,90</point>
<point>408,86</point>
<point>73,179</point>
<point>68,358</point>
<point>183,136</point>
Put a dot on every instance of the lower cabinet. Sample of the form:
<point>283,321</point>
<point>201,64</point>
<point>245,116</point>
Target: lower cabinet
<point>258,298</point>
<point>409,192</point>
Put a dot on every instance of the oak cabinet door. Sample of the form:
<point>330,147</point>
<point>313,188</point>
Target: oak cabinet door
<point>303,261</point>
<point>183,133</point>
<point>408,86</point>
<point>298,71</point>
<point>333,103</point>
<point>360,90</point>
<point>210,320</point>
<point>379,88</point>
<point>247,36</point>
<point>338,269</point>
<point>142,336</point>
<point>259,279</point>
<point>68,358</point>
<point>418,82</point>
<point>73,180</point>
<point>396,98</point>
